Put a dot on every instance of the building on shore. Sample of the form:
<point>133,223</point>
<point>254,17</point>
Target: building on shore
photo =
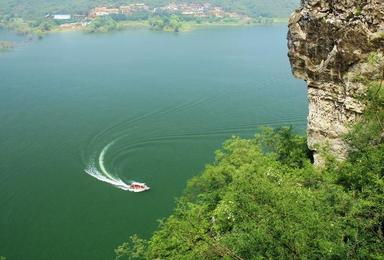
<point>79,17</point>
<point>133,8</point>
<point>191,9</point>
<point>125,9</point>
<point>102,11</point>
<point>62,17</point>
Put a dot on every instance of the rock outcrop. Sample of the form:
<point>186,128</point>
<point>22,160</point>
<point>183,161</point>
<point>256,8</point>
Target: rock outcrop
<point>329,45</point>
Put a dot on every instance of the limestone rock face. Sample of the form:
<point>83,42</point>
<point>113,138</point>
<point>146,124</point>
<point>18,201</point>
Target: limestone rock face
<point>329,44</point>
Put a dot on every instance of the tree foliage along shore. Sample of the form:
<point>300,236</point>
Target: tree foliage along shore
<point>262,198</point>
<point>34,9</point>
<point>102,24</point>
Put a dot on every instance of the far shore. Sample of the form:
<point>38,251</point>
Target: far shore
<point>188,26</point>
<point>127,25</point>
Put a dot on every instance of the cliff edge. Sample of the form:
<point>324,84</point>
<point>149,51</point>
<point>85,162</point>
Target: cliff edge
<point>329,45</point>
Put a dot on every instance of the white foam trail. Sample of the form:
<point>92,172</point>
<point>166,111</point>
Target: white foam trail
<point>117,182</point>
<point>104,175</point>
<point>101,160</point>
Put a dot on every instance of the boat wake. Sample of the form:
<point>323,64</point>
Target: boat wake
<point>115,181</point>
<point>100,172</point>
<point>104,160</point>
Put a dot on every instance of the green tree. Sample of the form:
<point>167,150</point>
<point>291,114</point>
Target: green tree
<point>102,24</point>
<point>248,205</point>
<point>156,23</point>
<point>166,23</point>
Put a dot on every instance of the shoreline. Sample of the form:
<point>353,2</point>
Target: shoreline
<point>126,25</point>
<point>135,25</point>
<point>188,26</point>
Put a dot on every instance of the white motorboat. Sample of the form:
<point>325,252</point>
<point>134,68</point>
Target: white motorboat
<point>137,187</point>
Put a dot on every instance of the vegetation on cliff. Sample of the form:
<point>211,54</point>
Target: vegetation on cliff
<point>263,198</point>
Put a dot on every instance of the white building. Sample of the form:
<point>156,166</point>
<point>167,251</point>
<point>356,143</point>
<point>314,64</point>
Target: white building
<point>62,17</point>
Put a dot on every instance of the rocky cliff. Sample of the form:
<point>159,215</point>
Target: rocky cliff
<point>329,45</point>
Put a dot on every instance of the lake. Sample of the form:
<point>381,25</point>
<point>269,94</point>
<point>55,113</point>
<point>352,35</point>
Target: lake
<point>82,115</point>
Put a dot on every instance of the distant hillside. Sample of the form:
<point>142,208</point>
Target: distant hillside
<point>38,8</point>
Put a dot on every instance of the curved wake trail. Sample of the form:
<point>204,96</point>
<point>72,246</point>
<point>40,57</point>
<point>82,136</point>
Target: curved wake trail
<point>96,167</point>
<point>103,174</point>
<point>143,129</point>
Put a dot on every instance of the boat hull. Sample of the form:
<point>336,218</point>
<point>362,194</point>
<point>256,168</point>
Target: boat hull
<point>137,187</point>
<point>139,190</point>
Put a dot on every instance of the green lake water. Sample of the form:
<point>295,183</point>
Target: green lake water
<point>134,105</point>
